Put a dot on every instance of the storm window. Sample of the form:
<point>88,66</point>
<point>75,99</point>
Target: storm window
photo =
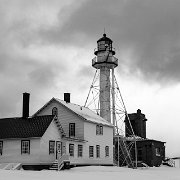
<point>91,151</point>
<point>25,147</point>
<point>71,129</point>
<point>80,150</point>
<point>107,151</point>
<point>97,151</point>
<point>71,149</point>
<point>51,147</point>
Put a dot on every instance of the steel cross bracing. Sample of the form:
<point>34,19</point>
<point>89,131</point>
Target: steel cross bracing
<point>118,113</point>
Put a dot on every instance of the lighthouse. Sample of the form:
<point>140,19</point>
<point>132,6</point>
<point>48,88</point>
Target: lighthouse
<point>106,62</point>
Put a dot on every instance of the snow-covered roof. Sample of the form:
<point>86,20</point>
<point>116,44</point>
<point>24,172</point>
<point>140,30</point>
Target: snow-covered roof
<point>85,112</point>
<point>137,138</point>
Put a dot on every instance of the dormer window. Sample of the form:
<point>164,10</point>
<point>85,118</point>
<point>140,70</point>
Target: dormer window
<point>55,111</point>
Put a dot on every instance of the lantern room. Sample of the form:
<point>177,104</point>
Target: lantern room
<point>104,44</point>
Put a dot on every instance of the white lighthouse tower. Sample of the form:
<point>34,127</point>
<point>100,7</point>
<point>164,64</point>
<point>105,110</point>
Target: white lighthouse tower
<point>105,62</point>
<point>106,98</point>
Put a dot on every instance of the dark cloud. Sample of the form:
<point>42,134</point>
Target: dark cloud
<point>24,74</point>
<point>150,29</point>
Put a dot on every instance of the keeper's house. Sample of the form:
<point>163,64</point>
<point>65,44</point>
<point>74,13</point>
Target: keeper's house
<point>58,128</point>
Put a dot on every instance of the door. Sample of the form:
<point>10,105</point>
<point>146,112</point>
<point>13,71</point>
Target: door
<point>58,149</point>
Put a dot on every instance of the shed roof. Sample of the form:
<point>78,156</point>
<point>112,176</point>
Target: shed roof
<point>137,138</point>
<point>24,127</point>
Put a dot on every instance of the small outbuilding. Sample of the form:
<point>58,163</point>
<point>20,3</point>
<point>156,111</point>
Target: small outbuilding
<point>149,151</point>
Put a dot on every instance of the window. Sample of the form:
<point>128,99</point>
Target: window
<point>80,150</point>
<point>55,111</point>
<point>91,151</point>
<point>1,147</point>
<point>51,147</point>
<point>71,129</point>
<point>158,151</point>
<point>99,130</point>
<point>25,147</point>
<point>107,151</point>
<point>101,45</point>
<point>98,151</point>
<point>71,149</point>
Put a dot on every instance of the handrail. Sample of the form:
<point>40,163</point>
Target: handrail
<point>100,59</point>
<point>96,49</point>
<point>64,157</point>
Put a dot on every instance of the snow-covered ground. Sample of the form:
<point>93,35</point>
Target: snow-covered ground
<point>93,173</point>
<point>177,163</point>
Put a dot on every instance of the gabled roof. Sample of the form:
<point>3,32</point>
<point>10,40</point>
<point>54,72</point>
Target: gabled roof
<point>84,112</point>
<point>24,128</point>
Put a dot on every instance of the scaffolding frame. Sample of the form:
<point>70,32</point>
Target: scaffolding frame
<point>118,113</point>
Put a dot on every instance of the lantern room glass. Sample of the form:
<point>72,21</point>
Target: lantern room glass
<point>102,45</point>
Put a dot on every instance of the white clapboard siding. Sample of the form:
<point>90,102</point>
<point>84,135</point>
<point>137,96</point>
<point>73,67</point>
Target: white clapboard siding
<point>83,130</point>
<point>93,140</point>
<point>39,148</point>
<point>75,159</point>
<point>103,140</point>
<point>12,151</point>
<point>51,133</point>
<point>65,117</point>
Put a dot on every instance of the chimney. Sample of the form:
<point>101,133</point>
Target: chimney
<point>25,112</point>
<point>67,97</point>
<point>138,111</point>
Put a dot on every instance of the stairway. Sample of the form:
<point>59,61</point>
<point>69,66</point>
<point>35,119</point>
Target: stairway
<point>59,126</point>
<point>54,166</point>
<point>63,163</point>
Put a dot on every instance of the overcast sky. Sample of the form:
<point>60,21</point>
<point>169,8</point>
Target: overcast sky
<point>46,47</point>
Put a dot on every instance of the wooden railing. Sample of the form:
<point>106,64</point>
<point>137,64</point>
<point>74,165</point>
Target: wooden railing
<point>11,166</point>
<point>61,160</point>
<point>169,161</point>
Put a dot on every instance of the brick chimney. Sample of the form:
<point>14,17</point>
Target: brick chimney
<point>25,109</point>
<point>67,97</point>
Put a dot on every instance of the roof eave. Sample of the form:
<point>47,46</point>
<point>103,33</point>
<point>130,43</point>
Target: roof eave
<point>18,138</point>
